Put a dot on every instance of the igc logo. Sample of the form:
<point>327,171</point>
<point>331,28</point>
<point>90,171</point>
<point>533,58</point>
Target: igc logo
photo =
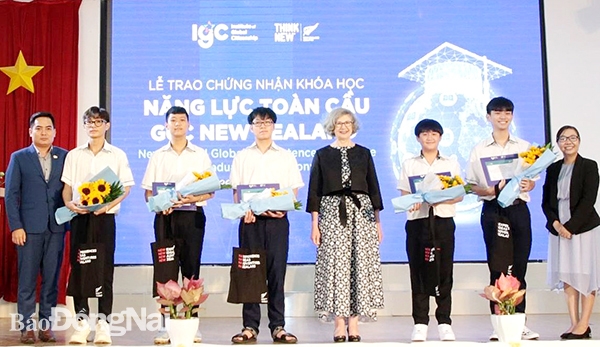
<point>206,34</point>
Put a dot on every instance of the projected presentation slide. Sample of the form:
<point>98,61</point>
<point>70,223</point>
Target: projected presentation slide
<point>393,63</point>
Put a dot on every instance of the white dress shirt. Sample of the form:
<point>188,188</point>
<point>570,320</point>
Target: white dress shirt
<point>81,164</point>
<point>276,165</point>
<point>489,148</point>
<point>165,165</point>
<point>418,166</point>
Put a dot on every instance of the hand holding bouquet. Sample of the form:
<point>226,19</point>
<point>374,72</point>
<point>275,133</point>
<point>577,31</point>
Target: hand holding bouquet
<point>93,194</point>
<point>194,183</point>
<point>434,189</point>
<point>535,160</point>
<point>268,200</point>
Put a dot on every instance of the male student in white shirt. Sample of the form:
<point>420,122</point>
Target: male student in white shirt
<point>264,162</point>
<point>186,225</point>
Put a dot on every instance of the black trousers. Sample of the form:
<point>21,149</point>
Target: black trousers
<point>272,235</point>
<point>187,229</point>
<point>520,225</point>
<point>103,228</point>
<point>418,237</point>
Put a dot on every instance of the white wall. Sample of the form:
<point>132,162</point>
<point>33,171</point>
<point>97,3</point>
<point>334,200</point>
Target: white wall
<point>573,48</point>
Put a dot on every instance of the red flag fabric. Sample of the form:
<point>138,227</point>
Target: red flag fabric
<point>40,33</point>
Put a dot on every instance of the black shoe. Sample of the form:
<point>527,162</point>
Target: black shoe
<point>563,336</point>
<point>586,335</point>
<point>341,338</point>
<point>353,338</point>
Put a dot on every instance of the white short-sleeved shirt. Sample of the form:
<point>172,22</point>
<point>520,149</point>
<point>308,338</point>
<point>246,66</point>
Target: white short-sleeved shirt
<point>81,164</point>
<point>489,148</point>
<point>276,165</point>
<point>165,165</point>
<point>418,166</point>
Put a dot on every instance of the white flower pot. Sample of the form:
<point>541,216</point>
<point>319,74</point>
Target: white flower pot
<point>182,331</point>
<point>508,327</point>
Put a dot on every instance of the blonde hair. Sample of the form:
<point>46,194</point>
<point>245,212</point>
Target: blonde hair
<point>334,115</point>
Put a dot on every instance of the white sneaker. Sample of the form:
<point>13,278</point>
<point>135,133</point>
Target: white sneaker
<point>162,338</point>
<point>529,334</point>
<point>494,336</point>
<point>198,337</point>
<point>419,333</point>
<point>446,332</point>
<point>79,336</point>
<point>102,333</point>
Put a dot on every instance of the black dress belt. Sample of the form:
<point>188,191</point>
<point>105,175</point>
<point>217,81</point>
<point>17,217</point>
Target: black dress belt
<point>342,206</point>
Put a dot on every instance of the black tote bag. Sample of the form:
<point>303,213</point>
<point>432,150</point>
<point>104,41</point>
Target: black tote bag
<point>501,255</point>
<point>87,273</point>
<point>248,277</point>
<point>165,253</point>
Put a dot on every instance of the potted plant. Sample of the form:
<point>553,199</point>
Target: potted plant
<point>507,323</point>
<point>179,303</point>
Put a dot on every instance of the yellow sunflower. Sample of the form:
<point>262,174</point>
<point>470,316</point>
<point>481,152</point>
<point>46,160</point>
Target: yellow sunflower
<point>85,189</point>
<point>95,198</point>
<point>102,187</point>
<point>201,176</point>
<point>85,201</point>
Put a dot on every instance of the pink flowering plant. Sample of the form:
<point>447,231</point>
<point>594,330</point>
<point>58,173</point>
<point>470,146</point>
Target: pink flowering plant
<point>505,293</point>
<point>171,295</point>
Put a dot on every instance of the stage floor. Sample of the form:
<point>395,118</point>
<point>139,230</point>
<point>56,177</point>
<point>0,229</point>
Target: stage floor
<point>469,330</point>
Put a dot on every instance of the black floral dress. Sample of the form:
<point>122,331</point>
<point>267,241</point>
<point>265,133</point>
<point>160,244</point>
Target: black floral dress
<point>348,278</point>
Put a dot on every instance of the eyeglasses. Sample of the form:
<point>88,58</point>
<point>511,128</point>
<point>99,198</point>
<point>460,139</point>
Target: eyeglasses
<point>94,122</point>
<point>267,123</point>
<point>572,139</point>
<point>346,124</point>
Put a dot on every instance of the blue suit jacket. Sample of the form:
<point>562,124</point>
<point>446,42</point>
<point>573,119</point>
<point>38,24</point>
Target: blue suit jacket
<point>30,200</point>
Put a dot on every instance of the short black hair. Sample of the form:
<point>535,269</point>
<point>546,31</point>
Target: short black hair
<point>262,112</point>
<point>428,125</point>
<point>39,115</point>
<point>562,130</point>
<point>96,112</point>
<point>177,110</point>
<point>500,104</point>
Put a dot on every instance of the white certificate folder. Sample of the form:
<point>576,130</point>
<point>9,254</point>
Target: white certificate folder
<point>501,167</point>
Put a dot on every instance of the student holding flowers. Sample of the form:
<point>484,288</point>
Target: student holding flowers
<point>569,197</point>
<point>344,201</point>
<point>502,144</point>
<point>264,162</point>
<point>81,163</point>
<point>430,233</point>
<point>171,163</point>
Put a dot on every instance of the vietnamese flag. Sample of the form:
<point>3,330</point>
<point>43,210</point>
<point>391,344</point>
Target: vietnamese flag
<point>39,53</point>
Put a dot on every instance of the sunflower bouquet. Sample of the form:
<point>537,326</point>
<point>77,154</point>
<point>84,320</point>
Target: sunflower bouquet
<point>99,192</point>
<point>535,160</point>
<point>93,194</point>
<point>269,199</point>
<point>434,189</point>
<point>193,183</point>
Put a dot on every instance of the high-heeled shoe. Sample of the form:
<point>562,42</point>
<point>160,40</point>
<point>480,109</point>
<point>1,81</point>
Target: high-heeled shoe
<point>341,338</point>
<point>353,338</point>
<point>586,335</point>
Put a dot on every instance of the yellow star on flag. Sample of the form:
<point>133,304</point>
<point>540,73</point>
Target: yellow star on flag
<point>20,75</point>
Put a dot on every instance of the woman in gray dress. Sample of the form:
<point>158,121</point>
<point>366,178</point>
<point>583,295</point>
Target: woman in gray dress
<point>344,201</point>
<point>569,195</point>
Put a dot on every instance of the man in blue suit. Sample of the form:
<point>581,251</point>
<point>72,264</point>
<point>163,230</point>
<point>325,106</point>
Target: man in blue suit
<point>33,193</point>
